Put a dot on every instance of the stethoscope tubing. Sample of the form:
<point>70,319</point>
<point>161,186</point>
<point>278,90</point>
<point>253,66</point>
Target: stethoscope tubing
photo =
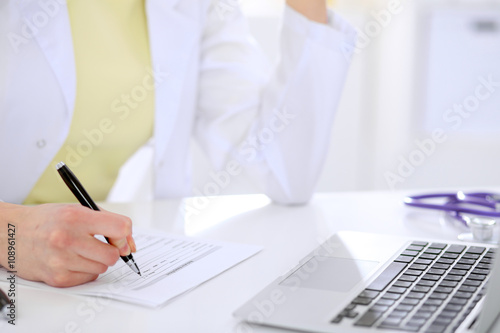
<point>455,202</point>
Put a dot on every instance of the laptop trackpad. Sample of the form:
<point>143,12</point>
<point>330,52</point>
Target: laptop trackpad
<point>327,273</point>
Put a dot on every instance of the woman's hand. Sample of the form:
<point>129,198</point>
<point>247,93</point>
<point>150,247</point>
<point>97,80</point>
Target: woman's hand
<point>55,243</point>
<point>315,10</point>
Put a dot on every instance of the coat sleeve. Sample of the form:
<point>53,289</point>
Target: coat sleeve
<point>275,121</point>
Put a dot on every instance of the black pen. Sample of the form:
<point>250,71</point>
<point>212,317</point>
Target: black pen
<point>79,191</point>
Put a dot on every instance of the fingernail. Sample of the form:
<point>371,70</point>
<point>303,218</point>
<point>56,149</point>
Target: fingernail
<point>134,247</point>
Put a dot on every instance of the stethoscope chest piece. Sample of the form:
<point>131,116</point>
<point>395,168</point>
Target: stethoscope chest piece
<point>482,229</point>
<point>478,211</point>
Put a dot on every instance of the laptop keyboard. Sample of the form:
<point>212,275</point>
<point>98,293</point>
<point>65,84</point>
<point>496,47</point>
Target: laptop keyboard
<point>429,287</point>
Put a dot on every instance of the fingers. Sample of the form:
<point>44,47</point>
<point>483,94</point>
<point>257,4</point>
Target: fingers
<point>122,246</point>
<point>97,251</point>
<point>64,236</point>
<point>117,228</point>
<point>107,224</point>
<point>69,279</point>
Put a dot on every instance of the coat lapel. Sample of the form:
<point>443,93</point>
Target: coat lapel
<point>172,35</point>
<point>52,32</point>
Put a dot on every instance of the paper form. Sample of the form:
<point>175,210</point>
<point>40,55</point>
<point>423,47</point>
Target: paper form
<point>170,265</point>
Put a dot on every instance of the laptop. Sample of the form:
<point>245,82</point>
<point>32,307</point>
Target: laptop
<point>360,282</point>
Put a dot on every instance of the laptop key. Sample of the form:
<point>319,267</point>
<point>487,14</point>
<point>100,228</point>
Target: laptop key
<point>403,259</point>
<point>471,256</point>
<point>443,320</point>
<point>431,302</point>
<point>402,284</point>
<point>408,278</point>
<point>436,328</point>
<point>436,271</point>
<point>386,302</point>
<point>444,290</point>
<point>466,262</point>
<point>404,307</point>
<point>445,261</point>
<point>480,271</point>
<point>418,322</point>
<point>379,308</point>
<point>414,248</point>
<point>387,276</point>
<point>453,307</point>
<point>458,272</point>
<point>398,314</point>
<point>467,289</point>
<point>449,284</point>
<point>448,314</point>
<point>431,277</point>
<point>418,267</point>
<point>349,314</point>
<point>415,295</point>
<point>439,296</point>
<point>441,266</point>
<point>409,253</point>
<point>428,256</point>
<point>350,307</point>
<point>410,328</point>
<point>432,251</point>
<point>461,294</point>
<point>413,272</point>
<point>428,309</point>
<point>451,277</point>
<point>368,318</point>
<point>423,261</point>
<point>369,294</point>
<point>440,246</point>
<point>471,282</point>
<point>421,289</point>
<point>426,283</point>
<point>362,300</point>
<point>396,290</point>
<point>476,249</point>
<point>390,322</point>
<point>476,277</point>
<point>423,314</point>
<point>458,301</point>
<point>456,248</point>
<point>486,261</point>
<point>450,255</point>
<point>463,266</point>
<point>391,296</point>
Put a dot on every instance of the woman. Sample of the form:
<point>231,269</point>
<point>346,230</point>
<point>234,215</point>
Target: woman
<point>89,82</point>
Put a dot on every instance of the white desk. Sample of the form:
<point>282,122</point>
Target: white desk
<point>287,234</point>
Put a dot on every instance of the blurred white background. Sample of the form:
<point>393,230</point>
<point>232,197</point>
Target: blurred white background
<point>403,81</point>
<point>415,112</point>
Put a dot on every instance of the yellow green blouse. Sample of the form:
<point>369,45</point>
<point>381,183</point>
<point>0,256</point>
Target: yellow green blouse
<point>114,108</point>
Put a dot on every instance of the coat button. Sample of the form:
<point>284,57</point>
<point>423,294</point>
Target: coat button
<point>41,144</point>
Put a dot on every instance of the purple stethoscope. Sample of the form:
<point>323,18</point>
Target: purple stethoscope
<point>477,210</point>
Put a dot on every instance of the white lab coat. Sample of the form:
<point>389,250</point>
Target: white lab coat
<point>216,86</point>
